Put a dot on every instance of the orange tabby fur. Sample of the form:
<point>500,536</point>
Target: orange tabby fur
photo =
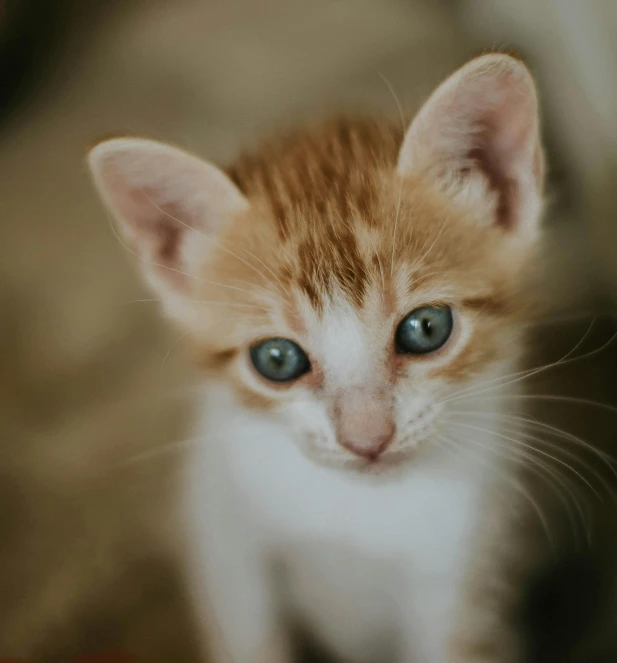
<point>328,212</point>
<point>357,223</point>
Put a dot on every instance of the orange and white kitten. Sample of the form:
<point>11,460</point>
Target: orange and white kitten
<point>351,289</point>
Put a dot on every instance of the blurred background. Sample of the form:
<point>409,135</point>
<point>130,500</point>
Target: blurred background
<point>92,386</point>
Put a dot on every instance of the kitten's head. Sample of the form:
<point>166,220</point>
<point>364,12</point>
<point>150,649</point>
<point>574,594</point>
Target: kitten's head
<point>348,281</point>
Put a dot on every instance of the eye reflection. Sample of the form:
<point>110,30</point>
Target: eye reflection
<point>280,360</point>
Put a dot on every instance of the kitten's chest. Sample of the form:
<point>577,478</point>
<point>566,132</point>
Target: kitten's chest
<point>342,539</point>
<point>423,513</point>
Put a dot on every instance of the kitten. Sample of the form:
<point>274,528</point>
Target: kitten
<point>354,294</point>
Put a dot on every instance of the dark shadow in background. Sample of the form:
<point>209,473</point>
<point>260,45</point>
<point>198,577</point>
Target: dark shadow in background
<point>31,36</point>
<point>36,36</point>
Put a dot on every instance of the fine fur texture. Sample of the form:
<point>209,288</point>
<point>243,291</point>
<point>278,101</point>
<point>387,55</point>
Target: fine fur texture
<point>329,237</point>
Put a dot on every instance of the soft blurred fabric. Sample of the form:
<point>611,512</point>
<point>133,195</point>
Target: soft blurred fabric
<point>93,389</point>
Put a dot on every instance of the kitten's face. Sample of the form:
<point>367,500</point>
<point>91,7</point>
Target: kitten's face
<point>380,337</point>
<point>344,281</point>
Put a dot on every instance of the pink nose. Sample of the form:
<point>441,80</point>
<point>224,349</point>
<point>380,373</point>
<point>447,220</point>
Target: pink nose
<point>369,446</point>
<point>372,443</point>
<point>364,422</point>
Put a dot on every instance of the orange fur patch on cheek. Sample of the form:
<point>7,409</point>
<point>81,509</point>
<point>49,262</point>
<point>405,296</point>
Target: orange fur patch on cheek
<point>252,399</point>
<point>489,304</point>
<point>223,366</point>
<point>215,362</point>
<point>484,347</point>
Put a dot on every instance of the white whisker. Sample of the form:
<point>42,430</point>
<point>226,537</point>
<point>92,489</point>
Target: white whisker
<point>570,454</point>
<point>546,473</point>
<point>523,375</point>
<point>553,397</point>
<point>379,263</point>
<point>530,446</point>
<point>418,263</point>
<point>141,258</point>
<point>213,241</point>
<point>163,450</point>
<point>400,190</point>
<point>513,482</point>
<point>171,348</point>
<point>550,430</point>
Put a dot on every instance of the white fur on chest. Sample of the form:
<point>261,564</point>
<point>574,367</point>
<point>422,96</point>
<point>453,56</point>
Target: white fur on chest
<point>420,512</point>
<point>357,548</point>
<point>354,547</point>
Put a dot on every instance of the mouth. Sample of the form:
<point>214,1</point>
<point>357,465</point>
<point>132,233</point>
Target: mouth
<point>388,461</point>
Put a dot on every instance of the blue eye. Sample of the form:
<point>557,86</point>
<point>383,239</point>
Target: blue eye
<point>424,330</point>
<point>280,360</point>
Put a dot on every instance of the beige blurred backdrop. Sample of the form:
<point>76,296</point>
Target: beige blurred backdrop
<point>94,390</point>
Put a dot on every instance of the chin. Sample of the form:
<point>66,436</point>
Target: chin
<point>390,462</point>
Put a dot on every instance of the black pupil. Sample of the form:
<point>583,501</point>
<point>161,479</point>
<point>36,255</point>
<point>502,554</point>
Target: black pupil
<point>280,360</point>
<point>424,330</point>
<point>277,358</point>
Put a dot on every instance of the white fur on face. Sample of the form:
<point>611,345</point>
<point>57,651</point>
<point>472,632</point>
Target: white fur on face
<point>347,355</point>
<point>352,356</point>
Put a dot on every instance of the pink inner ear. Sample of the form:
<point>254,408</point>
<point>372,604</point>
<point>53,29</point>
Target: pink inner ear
<point>165,236</point>
<point>169,241</point>
<point>156,230</point>
<point>161,226</point>
<point>482,120</point>
<point>490,163</point>
<point>501,142</point>
<point>505,187</point>
<point>163,199</point>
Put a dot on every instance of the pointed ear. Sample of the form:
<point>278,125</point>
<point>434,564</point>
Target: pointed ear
<point>478,138</point>
<point>167,204</point>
